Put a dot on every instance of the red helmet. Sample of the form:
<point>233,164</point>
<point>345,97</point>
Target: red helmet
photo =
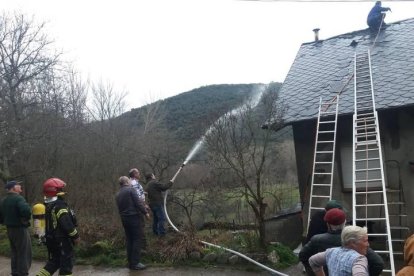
<point>53,186</point>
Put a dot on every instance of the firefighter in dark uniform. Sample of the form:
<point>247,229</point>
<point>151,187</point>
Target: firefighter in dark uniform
<point>61,234</point>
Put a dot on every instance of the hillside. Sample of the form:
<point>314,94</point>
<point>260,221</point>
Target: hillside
<point>189,114</point>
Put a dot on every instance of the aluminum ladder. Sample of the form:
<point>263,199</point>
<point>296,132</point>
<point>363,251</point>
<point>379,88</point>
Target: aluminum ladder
<point>370,205</point>
<point>397,210</point>
<point>324,156</point>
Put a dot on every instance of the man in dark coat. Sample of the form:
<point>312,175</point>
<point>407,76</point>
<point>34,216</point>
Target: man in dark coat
<point>317,225</point>
<point>131,209</point>
<point>15,214</point>
<point>376,16</point>
<point>335,219</point>
<point>155,198</point>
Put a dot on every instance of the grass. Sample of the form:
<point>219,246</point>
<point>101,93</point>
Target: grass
<point>164,252</point>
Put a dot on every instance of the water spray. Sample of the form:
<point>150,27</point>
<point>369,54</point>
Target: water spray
<point>192,153</point>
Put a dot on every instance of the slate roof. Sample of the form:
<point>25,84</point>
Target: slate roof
<point>322,68</point>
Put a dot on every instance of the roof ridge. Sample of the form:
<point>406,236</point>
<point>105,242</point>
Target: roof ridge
<point>357,32</point>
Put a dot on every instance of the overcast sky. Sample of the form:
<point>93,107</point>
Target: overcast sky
<point>155,49</point>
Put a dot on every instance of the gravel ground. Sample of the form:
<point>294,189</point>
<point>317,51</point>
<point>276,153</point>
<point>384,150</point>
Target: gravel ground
<point>81,270</point>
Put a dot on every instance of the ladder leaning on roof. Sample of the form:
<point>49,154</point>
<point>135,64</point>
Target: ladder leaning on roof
<point>369,196</point>
<point>324,156</point>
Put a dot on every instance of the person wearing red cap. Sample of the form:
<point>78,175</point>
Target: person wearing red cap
<point>317,225</point>
<point>335,220</point>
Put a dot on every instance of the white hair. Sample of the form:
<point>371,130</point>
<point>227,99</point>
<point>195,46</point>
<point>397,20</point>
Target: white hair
<point>352,234</point>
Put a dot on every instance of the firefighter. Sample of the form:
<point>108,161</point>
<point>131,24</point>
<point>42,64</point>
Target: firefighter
<point>61,234</point>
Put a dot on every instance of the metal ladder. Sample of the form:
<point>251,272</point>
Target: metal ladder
<point>324,156</point>
<point>370,205</point>
<point>397,211</point>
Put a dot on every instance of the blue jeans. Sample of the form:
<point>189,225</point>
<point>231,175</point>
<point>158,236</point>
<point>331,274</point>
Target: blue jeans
<point>158,220</point>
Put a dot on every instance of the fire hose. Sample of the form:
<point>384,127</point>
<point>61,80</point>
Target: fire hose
<point>275,272</point>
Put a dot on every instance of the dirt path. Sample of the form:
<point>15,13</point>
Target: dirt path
<point>81,270</point>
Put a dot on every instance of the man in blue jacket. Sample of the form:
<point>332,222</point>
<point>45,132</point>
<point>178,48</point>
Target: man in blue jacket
<point>16,214</point>
<point>376,16</point>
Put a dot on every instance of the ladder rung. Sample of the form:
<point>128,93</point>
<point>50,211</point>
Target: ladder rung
<point>317,208</point>
<point>369,133</point>
<point>364,96</point>
<point>322,185</point>
<point>322,196</point>
<point>370,219</point>
<point>395,215</point>
<point>377,234</point>
<point>396,203</point>
<point>369,205</point>
<point>322,142</point>
<point>368,180</point>
<point>362,102</point>
<point>323,162</point>
<point>399,228</point>
<point>397,253</point>
<point>369,192</point>
<point>327,122</point>
<point>366,114</point>
<point>326,131</point>
<point>366,126</point>
<point>366,143</point>
<point>366,159</point>
<point>365,150</point>
<point>363,85</point>
<point>364,170</point>
<point>322,173</point>
<point>382,252</point>
<point>324,151</point>
<point>397,240</point>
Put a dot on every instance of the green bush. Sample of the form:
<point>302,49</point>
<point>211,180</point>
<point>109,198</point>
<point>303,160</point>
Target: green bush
<point>286,255</point>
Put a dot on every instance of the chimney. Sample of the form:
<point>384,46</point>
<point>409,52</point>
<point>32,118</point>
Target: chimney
<point>316,31</point>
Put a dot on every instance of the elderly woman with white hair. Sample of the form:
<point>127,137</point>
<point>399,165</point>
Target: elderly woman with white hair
<point>347,260</point>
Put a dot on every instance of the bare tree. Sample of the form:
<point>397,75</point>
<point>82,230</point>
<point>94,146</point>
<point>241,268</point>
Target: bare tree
<point>27,70</point>
<point>107,104</point>
<point>237,144</point>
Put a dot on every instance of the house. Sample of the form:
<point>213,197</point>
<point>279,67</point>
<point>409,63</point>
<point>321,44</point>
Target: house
<point>325,67</point>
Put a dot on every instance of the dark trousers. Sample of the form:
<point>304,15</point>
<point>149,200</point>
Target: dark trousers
<point>21,250</point>
<point>374,22</point>
<point>134,235</point>
<point>158,222</point>
<point>60,257</point>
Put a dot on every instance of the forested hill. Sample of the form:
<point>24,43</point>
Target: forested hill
<point>189,114</point>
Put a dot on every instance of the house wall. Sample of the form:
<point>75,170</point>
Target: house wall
<point>397,136</point>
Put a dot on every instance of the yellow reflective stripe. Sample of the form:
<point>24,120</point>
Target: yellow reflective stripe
<point>43,272</point>
<point>73,233</point>
<point>61,211</point>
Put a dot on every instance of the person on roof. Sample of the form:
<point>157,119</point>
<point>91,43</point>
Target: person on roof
<point>408,258</point>
<point>376,16</point>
